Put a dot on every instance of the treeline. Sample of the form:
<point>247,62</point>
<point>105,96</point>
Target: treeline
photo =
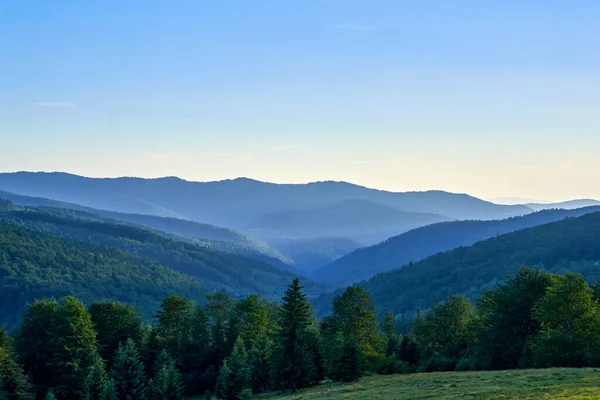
<point>234,349</point>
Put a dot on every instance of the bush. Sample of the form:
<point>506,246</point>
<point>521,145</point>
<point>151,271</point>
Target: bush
<point>437,364</point>
<point>246,394</point>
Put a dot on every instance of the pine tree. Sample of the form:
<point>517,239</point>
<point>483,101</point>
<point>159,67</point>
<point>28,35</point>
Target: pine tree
<point>234,375</point>
<point>13,382</point>
<point>109,392</point>
<point>295,364</point>
<point>50,395</point>
<point>259,359</point>
<point>167,383</point>
<point>97,379</point>
<point>128,373</point>
<point>349,364</point>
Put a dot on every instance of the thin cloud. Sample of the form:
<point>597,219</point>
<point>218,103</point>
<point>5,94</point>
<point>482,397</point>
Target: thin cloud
<point>358,28</point>
<point>55,104</point>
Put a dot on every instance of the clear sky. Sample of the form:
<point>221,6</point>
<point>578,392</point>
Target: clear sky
<point>496,98</point>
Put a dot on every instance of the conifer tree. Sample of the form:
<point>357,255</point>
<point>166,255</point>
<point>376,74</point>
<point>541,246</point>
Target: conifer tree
<point>167,383</point>
<point>234,375</point>
<point>50,395</point>
<point>96,382</point>
<point>294,364</point>
<point>349,369</point>
<point>128,373</point>
<point>259,359</point>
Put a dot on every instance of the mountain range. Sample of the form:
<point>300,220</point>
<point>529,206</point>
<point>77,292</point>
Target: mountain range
<point>426,241</point>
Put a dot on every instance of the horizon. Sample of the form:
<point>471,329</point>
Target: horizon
<point>494,99</point>
<point>499,200</point>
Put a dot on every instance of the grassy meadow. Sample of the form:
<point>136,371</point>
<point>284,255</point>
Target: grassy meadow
<point>560,383</point>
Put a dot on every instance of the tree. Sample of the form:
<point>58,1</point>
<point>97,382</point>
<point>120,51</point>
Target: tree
<point>235,374</point>
<point>570,325</point>
<point>443,335</point>
<point>114,323</point>
<point>33,344</point>
<point>348,367</point>
<point>98,385</point>
<point>249,317</point>
<point>174,324</point>
<point>294,364</point>
<point>505,321</point>
<point>74,348</point>
<point>167,383</point>
<point>128,373</point>
<point>355,315</point>
<point>259,359</point>
<point>13,382</point>
<point>217,309</point>
<point>50,395</point>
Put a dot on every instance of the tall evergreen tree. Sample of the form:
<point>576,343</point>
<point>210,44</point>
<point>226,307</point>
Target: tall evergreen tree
<point>50,395</point>
<point>295,364</point>
<point>235,374</point>
<point>259,359</point>
<point>128,373</point>
<point>167,383</point>
<point>97,382</point>
<point>348,367</point>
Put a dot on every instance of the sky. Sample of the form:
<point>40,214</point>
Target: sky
<point>495,98</point>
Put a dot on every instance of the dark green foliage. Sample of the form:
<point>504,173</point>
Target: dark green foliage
<point>167,383</point>
<point>259,358</point>
<point>57,267</point>
<point>420,243</point>
<point>294,366</point>
<point>98,386</point>
<point>349,365</point>
<point>128,373</point>
<point>355,317</point>
<point>570,325</point>
<point>235,374</point>
<point>567,245</point>
<point>114,323</point>
<point>505,320</point>
<point>443,336</point>
<point>50,395</point>
<point>13,382</point>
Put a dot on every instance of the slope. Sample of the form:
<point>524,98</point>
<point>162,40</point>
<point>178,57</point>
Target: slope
<point>572,244</point>
<point>218,271</point>
<point>567,205</point>
<point>35,265</point>
<point>429,240</point>
<point>216,238</point>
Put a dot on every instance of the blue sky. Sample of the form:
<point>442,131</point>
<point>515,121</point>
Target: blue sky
<point>493,98</point>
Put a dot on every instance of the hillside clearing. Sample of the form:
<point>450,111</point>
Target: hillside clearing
<point>524,384</point>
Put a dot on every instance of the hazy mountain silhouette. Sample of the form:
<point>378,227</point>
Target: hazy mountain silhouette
<point>429,240</point>
<point>237,203</point>
<point>567,205</point>
<point>359,220</point>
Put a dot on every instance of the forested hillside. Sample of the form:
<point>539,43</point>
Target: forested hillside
<point>35,265</point>
<point>570,245</point>
<point>214,237</point>
<point>218,271</point>
<point>429,240</point>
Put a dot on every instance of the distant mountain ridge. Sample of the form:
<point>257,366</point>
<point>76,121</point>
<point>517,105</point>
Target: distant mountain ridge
<point>426,241</point>
<point>238,203</point>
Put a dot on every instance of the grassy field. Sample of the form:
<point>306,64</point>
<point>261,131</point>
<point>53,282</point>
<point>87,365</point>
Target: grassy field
<point>529,384</point>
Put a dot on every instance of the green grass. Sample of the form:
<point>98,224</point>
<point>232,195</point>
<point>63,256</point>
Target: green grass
<point>528,384</point>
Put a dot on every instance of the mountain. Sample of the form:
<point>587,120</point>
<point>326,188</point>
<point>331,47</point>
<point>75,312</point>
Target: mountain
<point>567,205</point>
<point>572,244</point>
<point>217,238</point>
<point>36,265</point>
<point>359,220</point>
<point>429,240</point>
<point>310,254</point>
<point>237,203</point>
<point>217,271</point>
